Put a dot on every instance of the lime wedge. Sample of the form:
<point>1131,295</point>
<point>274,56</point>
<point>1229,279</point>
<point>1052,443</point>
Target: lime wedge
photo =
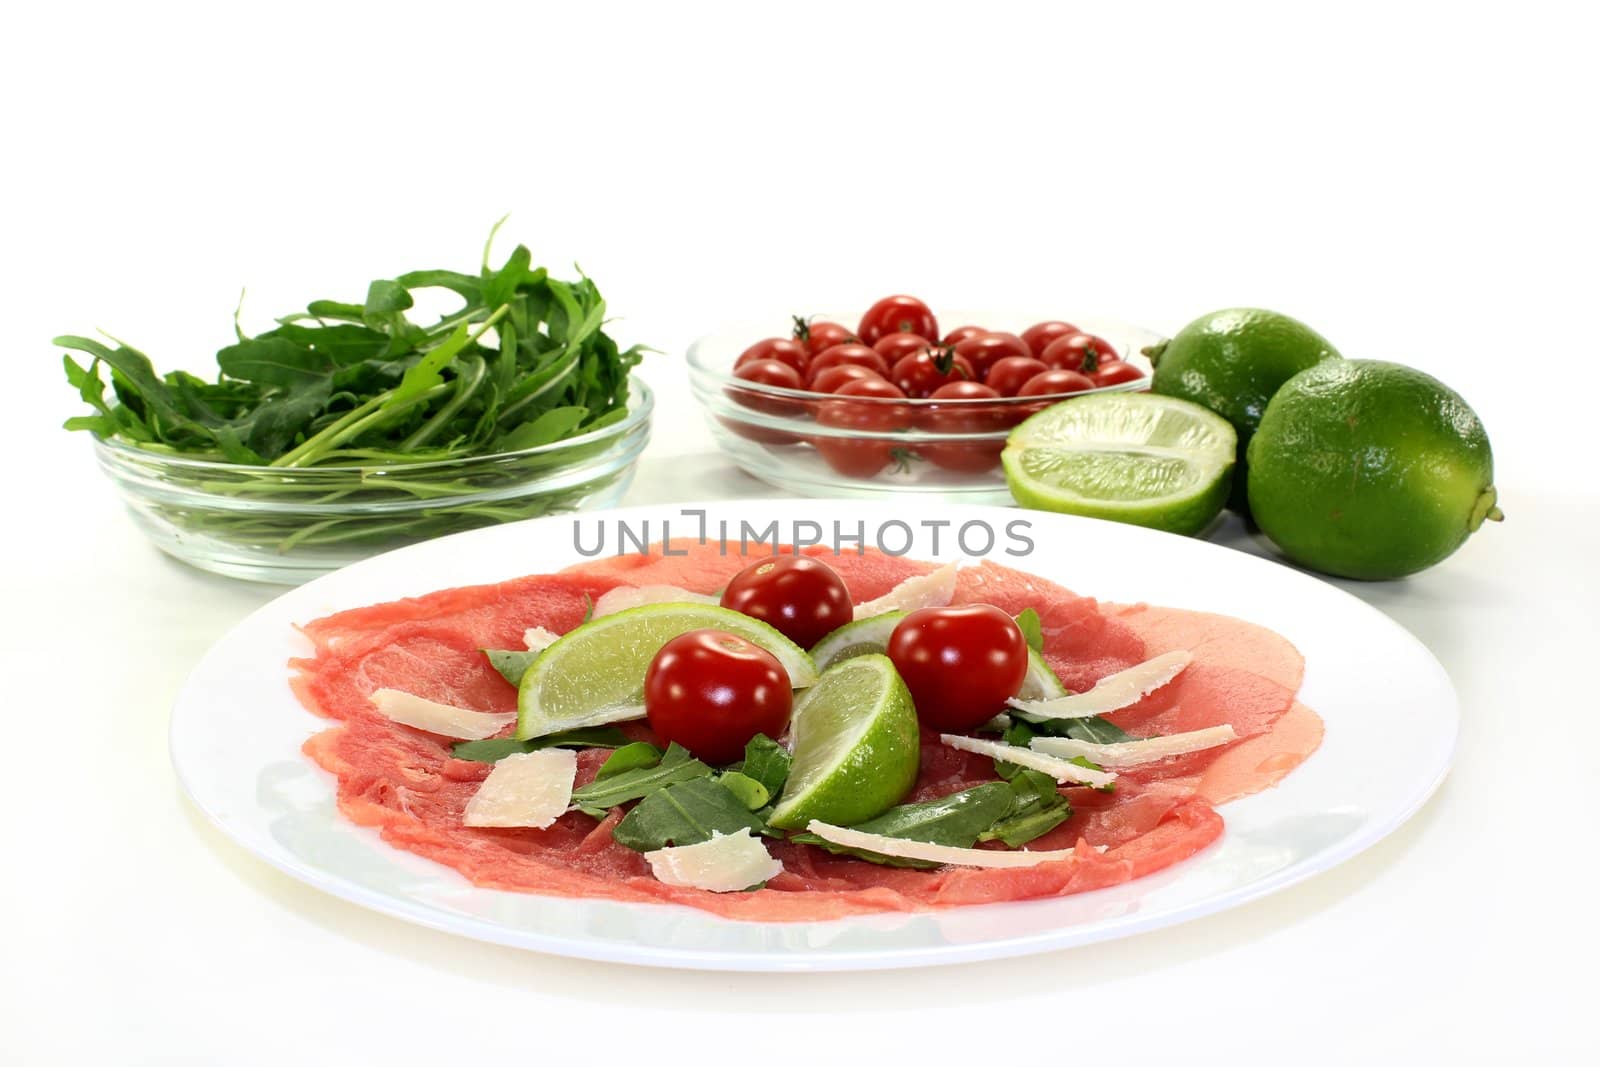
<point>856,639</point>
<point>1131,457</point>
<point>595,674</point>
<point>1041,682</point>
<point>856,746</point>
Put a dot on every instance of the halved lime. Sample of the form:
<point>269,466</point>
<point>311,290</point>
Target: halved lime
<point>595,674</point>
<point>856,639</point>
<point>856,746</point>
<point>1132,457</point>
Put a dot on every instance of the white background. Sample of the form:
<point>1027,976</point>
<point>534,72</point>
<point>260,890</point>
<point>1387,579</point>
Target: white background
<point>1417,182</point>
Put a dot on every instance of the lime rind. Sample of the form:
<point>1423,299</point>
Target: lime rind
<point>856,743</point>
<point>855,639</point>
<point>595,674</point>
<point>1041,682</point>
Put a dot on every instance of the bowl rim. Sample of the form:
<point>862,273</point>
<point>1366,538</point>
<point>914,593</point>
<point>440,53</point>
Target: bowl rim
<point>641,404</point>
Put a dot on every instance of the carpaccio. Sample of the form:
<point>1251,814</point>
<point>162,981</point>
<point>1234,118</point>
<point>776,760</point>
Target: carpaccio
<point>407,784</point>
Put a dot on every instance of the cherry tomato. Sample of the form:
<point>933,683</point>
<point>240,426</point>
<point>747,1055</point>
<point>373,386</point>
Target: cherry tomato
<point>970,457</point>
<point>961,333</point>
<point>1056,382</point>
<point>897,314</point>
<point>711,692</point>
<point>987,349</point>
<point>894,346</point>
<point>922,372</point>
<point>961,663</point>
<point>765,372</point>
<point>1080,351</point>
<point>818,337</point>
<point>802,598</point>
<point>781,349</point>
<point>850,354</point>
<point>1039,336</point>
<point>861,406</point>
<point>1115,372</point>
<point>831,378</point>
<point>1007,375</point>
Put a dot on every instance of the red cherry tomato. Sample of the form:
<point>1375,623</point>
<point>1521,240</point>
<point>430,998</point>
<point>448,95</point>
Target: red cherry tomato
<point>961,663</point>
<point>711,692</point>
<point>831,378</point>
<point>922,372</point>
<point>781,349</point>
<point>895,346</point>
<point>818,337</point>
<point>802,598</point>
<point>861,406</point>
<point>765,372</point>
<point>1080,351</point>
<point>897,314</point>
<point>970,457</point>
<point>1039,336</point>
<point>987,349</point>
<point>961,333</point>
<point>1008,375</point>
<point>850,354</point>
<point>1056,382</point>
<point>1115,372</point>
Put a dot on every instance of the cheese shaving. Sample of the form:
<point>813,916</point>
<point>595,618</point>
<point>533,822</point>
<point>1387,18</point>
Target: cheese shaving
<point>727,863</point>
<point>1111,692</point>
<point>932,590</point>
<point>930,853</point>
<point>447,720</point>
<point>624,597</point>
<point>1133,753</point>
<point>525,789</point>
<point>537,638</point>
<point>1059,769</point>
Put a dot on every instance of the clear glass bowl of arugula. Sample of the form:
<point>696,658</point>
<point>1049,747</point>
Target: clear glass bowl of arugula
<point>349,429</point>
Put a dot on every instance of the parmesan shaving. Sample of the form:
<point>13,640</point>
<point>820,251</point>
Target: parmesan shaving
<point>624,597</point>
<point>725,864</point>
<point>525,789</point>
<point>1133,753</point>
<point>1059,769</point>
<point>930,853</point>
<point>537,638</point>
<point>447,720</point>
<point>1111,692</point>
<point>932,590</point>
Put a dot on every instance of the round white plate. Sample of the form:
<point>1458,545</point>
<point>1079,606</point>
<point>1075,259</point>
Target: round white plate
<point>1390,711</point>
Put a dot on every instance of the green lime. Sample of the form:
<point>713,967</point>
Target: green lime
<point>595,674</point>
<point>1368,469</point>
<point>856,639</point>
<point>1232,362</point>
<point>1133,457</point>
<point>856,746</point>
<point>1041,682</point>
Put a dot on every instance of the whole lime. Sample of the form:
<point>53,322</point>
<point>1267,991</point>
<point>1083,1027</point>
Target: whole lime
<point>1368,469</point>
<point>1232,362</point>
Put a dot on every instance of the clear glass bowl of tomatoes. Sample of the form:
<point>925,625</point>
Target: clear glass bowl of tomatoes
<point>885,402</point>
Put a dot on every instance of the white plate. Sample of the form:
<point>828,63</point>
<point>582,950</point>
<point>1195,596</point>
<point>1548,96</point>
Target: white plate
<point>1390,711</point>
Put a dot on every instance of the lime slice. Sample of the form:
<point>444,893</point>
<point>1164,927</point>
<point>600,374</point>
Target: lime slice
<point>856,746</point>
<point>1041,682</point>
<point>856,639</point>
<point>1131,457</point>
<point>595,674</point>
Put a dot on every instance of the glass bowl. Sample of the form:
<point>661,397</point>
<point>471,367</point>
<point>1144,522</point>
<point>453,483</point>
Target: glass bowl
<point>289,525</point>
<point>872,448</point>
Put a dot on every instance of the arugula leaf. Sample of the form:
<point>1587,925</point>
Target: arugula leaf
<point>512,663</point>
<point>684,814</point>
<point>1037,807</point>
<point>635,756</point>
<point>676,766</point>
<point>751,793</point>
<point>955,820</point>
<point>766,762</point>
<point>499,748</point>
<point>1097,729</point>
<point>1032,631</point>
